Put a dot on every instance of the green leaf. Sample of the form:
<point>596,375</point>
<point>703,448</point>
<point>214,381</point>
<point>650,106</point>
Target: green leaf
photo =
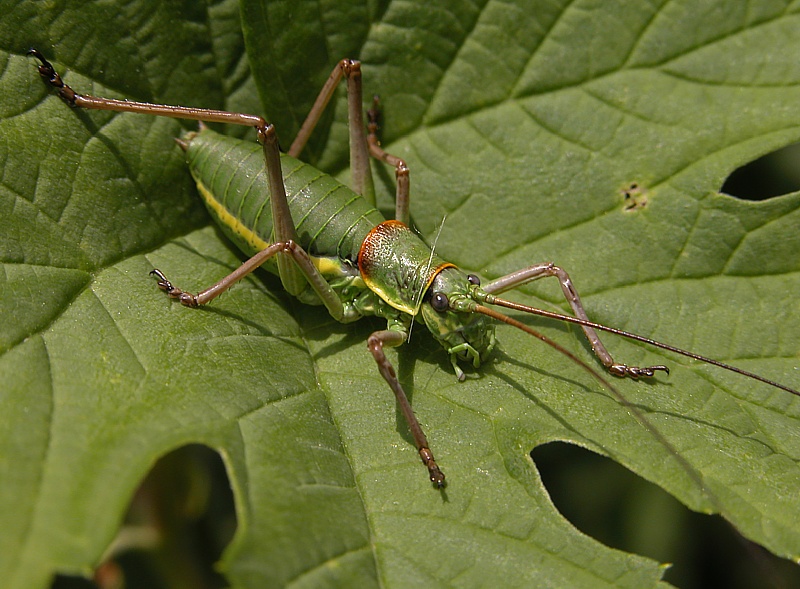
<point>525,123</point>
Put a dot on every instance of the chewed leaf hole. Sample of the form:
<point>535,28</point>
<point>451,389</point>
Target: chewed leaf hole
<point>634,197</point>
<point>618,508</point>
<point>769,176</point>
<point>179,521</point>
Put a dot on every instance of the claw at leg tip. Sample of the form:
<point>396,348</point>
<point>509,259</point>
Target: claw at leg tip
<point>437,479</point>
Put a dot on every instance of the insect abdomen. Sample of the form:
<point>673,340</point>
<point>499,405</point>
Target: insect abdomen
<point>330,219</point>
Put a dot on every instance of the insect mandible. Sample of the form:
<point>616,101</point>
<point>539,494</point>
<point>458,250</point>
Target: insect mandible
<point>329,244</point>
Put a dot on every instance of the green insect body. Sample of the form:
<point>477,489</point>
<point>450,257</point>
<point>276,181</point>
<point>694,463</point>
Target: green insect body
<point>376,267</point>
<point>331,220</point>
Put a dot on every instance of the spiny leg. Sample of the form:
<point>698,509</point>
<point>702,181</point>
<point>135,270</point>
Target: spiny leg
<point>376,343</point>
<point>536,271</point>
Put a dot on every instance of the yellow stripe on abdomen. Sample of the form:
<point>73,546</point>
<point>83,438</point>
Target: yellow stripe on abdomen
<point>232,223</point>
<point>328,267</point>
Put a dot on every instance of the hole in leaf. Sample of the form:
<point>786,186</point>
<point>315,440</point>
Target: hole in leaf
<point>608,502</point>
<point>769,176</point>
<point>634,197</point>
<point>179,521</point>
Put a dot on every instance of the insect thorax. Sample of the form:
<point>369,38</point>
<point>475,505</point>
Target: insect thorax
<point>398,266</point>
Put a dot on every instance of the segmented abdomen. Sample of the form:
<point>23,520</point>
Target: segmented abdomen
<point>331,220</point>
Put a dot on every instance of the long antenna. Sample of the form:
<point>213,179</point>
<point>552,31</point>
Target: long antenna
<point>493,300</point>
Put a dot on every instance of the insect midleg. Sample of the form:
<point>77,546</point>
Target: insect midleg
<point>359,156</point>
<point>361,146</point>
<point>376,343</point>
<point>536,271</point>
<point>402,181</point>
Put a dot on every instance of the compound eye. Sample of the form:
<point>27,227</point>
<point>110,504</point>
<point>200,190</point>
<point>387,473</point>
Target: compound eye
<point>439,302</point>
<point>473,280</point>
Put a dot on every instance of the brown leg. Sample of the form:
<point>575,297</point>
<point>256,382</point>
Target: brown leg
<point>291,276</point>
<point>530,273</point>
<point>375,343</point>
<point>401,173</point>
<point>359,157</point>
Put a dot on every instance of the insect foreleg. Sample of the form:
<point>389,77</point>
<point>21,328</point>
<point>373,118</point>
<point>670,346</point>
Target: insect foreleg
<point>375,343</point>
<point>530,273</point>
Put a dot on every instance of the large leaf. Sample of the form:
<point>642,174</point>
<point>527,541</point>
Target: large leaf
<point>525,123</point>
